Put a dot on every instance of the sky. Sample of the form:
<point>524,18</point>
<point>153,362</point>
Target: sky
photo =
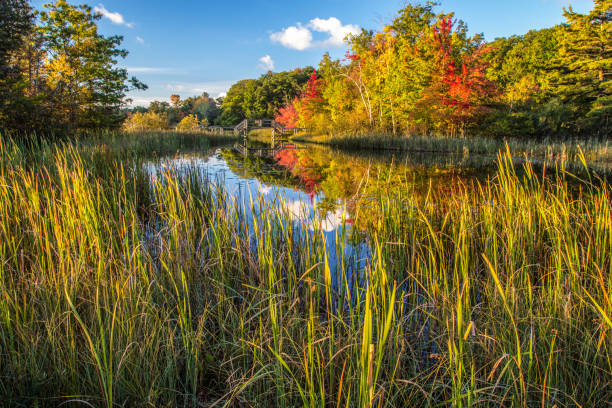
<point>191,46</point>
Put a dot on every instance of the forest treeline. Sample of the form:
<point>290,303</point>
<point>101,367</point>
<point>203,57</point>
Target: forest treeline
<point>424,74</point>
<point>249,98</point>
<point>421,74</point>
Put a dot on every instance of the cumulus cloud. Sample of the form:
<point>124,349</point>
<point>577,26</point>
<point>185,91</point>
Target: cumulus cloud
<point>337,32</point>
<point>300,37</point>
<point>305,214</point>
<point>114,17</point>
<point>266,63</point>
<point>140,39</point>
<point>294,37</point>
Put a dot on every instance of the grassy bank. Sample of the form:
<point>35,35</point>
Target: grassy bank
<point>118,288</point>
<point>551,149</point>
<point>123,145</point>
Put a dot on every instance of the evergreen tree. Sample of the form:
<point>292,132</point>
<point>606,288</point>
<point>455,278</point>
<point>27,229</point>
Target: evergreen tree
<point>16,23</point>
<point>585,67</point>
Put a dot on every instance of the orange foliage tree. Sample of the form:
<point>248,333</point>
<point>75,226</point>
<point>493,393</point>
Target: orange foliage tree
<point>459,94</point>
<point>288,115</point>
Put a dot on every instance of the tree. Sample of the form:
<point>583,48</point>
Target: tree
<point>146,121</point>
<point>522,66</point>
<point>263,97</point>
<point>458,92</point>
<point>203,106</point>
<point>585,67</point>
<point>288,115</point>
<point>176,100</point>
<point>310,99</point>
<point>188,124</point>
<point>16,21</point>
<point>85,85</point>
<point>16,24</point>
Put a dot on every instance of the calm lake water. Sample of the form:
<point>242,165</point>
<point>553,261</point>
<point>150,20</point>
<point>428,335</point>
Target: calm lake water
<point>319,181</point>
<point>325,189</point>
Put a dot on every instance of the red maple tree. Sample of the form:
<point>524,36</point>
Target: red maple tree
<point>459,91</point>
<point>288,116</point>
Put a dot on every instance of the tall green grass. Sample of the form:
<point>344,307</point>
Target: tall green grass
<point>124,288</point>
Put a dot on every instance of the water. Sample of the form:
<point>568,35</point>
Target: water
<point>327,190</point>
<point>323,189</point>
<point>324,184</point>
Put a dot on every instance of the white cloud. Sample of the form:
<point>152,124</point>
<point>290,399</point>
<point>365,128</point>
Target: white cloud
<point>145,101</point>
<point>264,189</point>
<point>162,92</point>
<point>114,17</point>
<point>140,39</point>
<point>197,88</point>
<point>176,87</point>
<point>149,70</point>
<point>266,63</point>
<point>304,213</point>
<point>337,32</point>
<point>294,37</point>
<point>300,37</point>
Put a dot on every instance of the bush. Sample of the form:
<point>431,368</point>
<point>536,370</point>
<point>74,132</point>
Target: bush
<point>146,121</point>
<point>188,124</point>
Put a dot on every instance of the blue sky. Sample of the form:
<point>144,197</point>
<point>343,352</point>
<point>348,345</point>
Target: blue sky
<point>191,46</point>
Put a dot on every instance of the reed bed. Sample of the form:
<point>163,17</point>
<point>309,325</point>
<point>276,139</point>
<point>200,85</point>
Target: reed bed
<point>123,288</point>
<point>547,148</point>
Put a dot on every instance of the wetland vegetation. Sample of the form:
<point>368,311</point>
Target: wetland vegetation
<point>445,241</point>
<point>139,279</point>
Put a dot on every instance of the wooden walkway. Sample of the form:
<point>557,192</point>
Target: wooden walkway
<point>278,132</point>
<point>259,151</point>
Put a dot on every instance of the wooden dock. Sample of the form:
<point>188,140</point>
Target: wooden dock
<point>278,130</point>
<point>259,151</point>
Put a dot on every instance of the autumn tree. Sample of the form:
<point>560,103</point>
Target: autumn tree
<point>176,100</point>
<point>146,121</point>
<point>85,85</point>
<point>288,115</point>
<point>459,92</point>
<point>311,96</point>
<point>188,124</point>
<point>263,97</point>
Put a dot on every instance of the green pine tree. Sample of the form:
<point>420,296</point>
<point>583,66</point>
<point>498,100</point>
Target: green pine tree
<point>16,23</point>
<point>585,73</point>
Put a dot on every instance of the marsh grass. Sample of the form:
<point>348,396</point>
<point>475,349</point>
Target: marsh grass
<point>546,148</point>
<point>123,288</point>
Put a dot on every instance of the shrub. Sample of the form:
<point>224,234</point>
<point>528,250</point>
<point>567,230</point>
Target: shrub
<point>189,123</point>
<point>146,121</point>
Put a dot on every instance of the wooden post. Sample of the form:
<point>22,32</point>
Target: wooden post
<point>246,133</point>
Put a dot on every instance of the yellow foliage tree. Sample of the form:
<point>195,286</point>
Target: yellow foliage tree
<point>146,121</point>
<point>188,124</point>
